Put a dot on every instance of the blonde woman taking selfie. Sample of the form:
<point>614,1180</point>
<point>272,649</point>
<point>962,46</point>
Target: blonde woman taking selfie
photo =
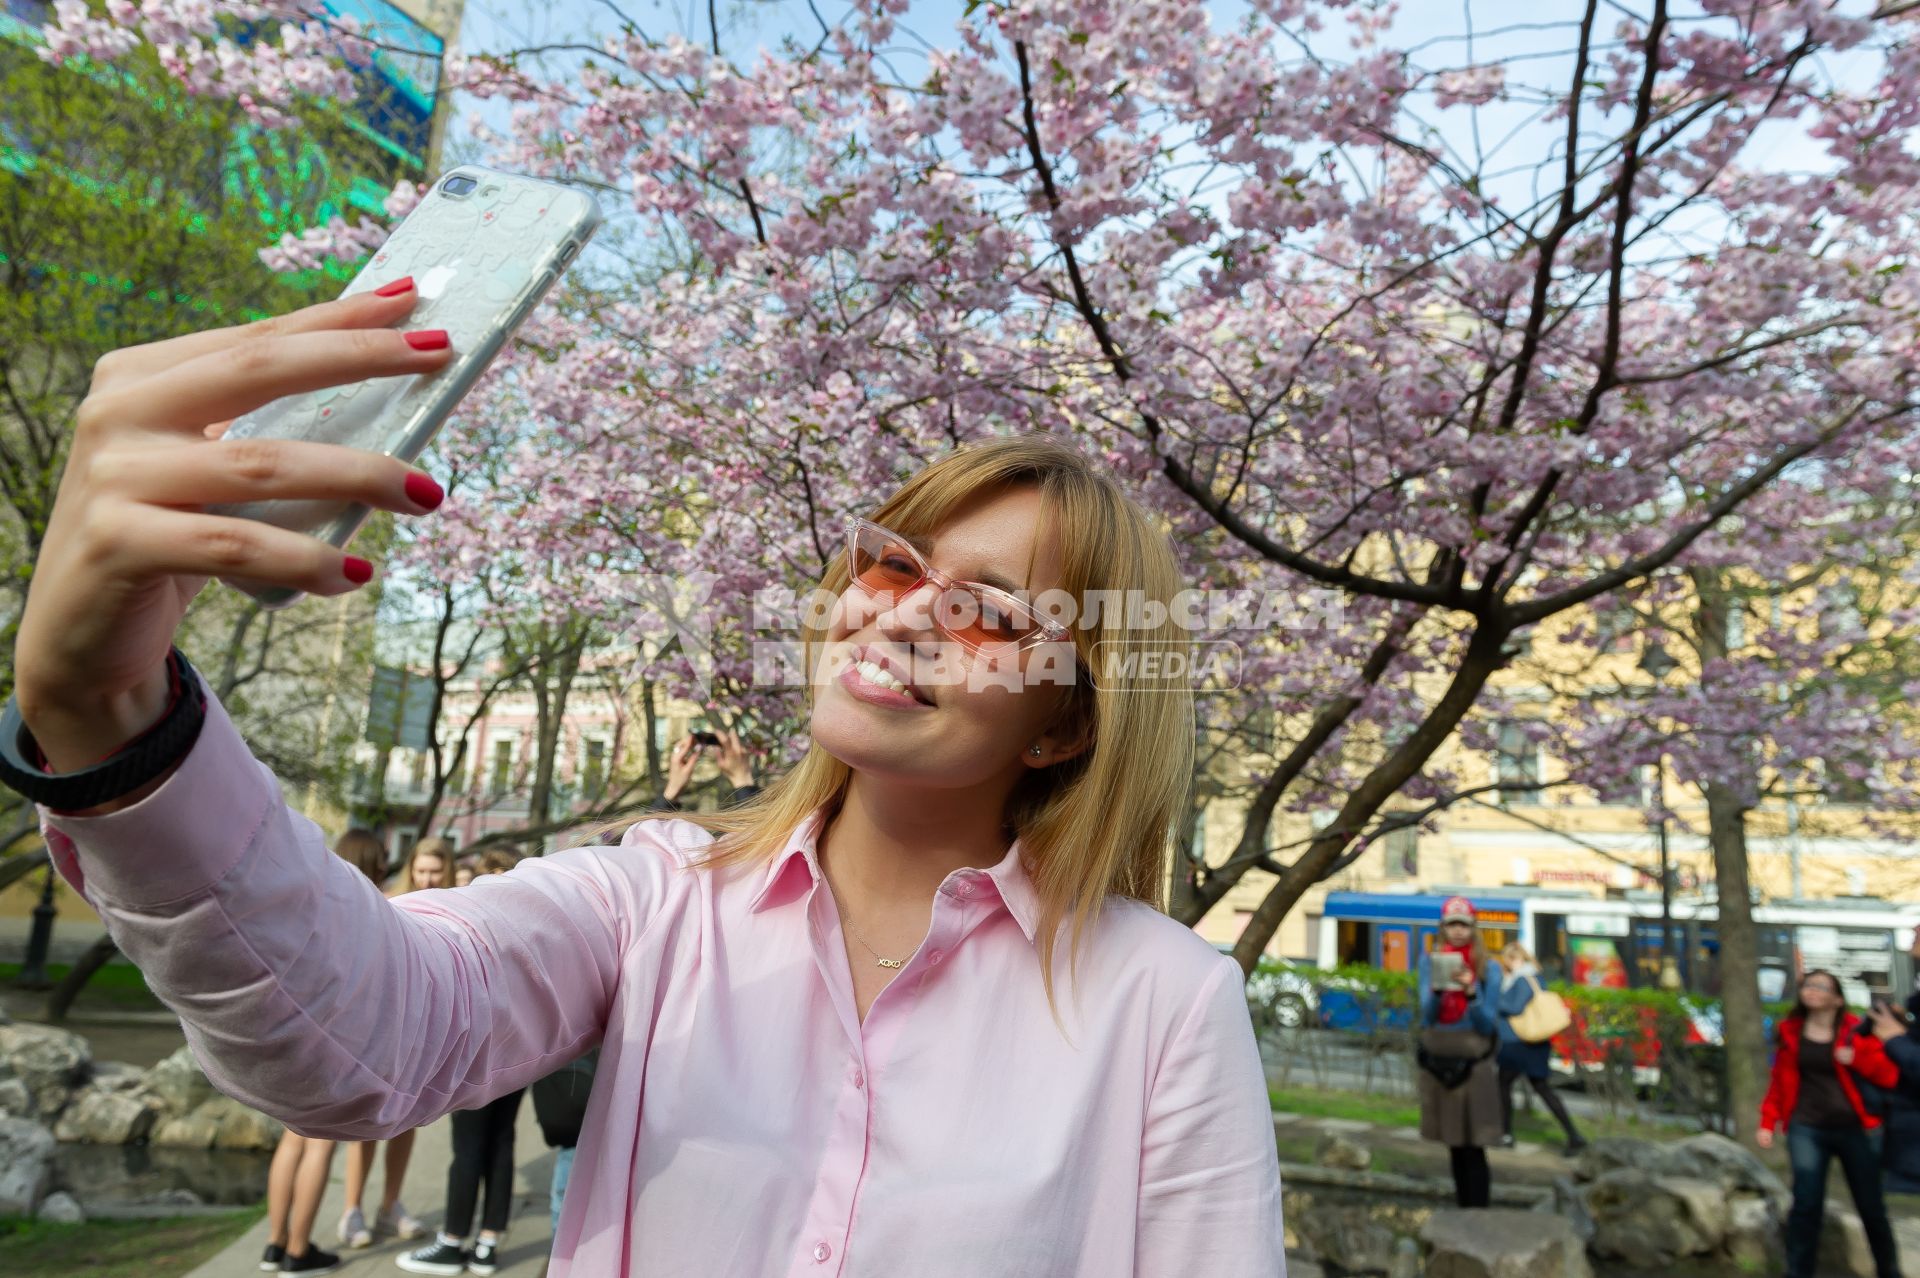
<point>913,1010</point>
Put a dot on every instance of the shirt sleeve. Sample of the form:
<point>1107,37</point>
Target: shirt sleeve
<point>1209,1167</point>
<point>307,994</point>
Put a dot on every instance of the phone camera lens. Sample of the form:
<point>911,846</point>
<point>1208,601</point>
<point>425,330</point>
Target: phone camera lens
<point>458,185</point>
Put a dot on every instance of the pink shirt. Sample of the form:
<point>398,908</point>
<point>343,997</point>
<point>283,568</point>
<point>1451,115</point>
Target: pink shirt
<point>743,1121</point>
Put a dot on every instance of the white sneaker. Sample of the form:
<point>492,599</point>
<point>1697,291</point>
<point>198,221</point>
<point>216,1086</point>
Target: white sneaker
<point>398,1223</point>
<point>353,1229</point>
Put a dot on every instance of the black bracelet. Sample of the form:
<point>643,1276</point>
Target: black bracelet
<point>147,756</point>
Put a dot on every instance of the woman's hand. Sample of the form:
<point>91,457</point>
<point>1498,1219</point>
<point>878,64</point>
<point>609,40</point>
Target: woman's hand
<point>1464,978</point>
<point>1764,1137</point>
<point>1888,1024</point>
<point>734,762</point>
<point>1843,1053</point>
<point>129,543</point>
<point>686,753</point>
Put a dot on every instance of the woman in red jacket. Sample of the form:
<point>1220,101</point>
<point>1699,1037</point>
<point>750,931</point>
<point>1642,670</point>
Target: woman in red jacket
<point>1815,1095</point>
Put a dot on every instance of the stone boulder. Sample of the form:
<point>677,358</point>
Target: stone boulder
<point>50,1062</point>
<point>15,1100</point>
<point>178,1085</point>
<point>1653,1204</point>
<point>61,1208</point>
<point>26,1165</point>
<point>1500,1243</point>
<point>116,1076</point>
<point>1343,1152</point>
<point>107,1115</point>
<point>219,1123</point>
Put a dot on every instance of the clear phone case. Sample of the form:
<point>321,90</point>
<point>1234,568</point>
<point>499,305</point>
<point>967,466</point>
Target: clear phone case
<point>481,260</point>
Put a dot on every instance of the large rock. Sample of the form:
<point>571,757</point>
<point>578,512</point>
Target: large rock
<point>178,1084</point>
<point>220,1123</point>
<point>103,1116</point>
<point>15,1099</point>
<point>1707,1157</point>
<point>61,1208</point>
<point>26,1165</point>
<point>1343,1152</point>
<point>1638,1221</point>
<point>1754,1243</point>
<point>116,1076</point>
<point>50,1062</point>
<point>1502,1244</point>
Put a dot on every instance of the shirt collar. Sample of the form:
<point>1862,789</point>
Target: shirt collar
<point>796,868</point>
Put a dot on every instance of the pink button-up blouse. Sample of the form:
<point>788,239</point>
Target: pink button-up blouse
<point>744,1121</point>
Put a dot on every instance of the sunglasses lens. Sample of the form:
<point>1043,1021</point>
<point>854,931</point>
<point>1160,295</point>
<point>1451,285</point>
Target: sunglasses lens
<point>883,564</point>
<point>986,622</point>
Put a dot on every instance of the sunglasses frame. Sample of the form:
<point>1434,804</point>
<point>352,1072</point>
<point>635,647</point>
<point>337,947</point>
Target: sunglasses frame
<point>1048,630</point>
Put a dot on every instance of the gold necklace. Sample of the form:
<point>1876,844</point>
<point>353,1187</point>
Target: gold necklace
<point>890,964</point>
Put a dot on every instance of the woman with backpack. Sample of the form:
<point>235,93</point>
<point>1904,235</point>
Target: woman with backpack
<point>1530,1015</point>
<point>1815,1094</point>
<point>1457,1078</point>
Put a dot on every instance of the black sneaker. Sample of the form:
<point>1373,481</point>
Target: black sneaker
<point>485,1259</point>
<point>435,1258</point>
<point>311,1261</point>
<point>270,1258</point>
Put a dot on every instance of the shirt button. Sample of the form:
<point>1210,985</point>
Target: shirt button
<point>858,1079</point>
<point>966,887</point>
<point>936,956</point>
<point>821,1251</point>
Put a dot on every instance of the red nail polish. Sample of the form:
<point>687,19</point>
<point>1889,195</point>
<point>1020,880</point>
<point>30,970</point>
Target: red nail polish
<point>422,491</point>
<point>402,285</point>
<point>356,570</point>
<point>428,339</point>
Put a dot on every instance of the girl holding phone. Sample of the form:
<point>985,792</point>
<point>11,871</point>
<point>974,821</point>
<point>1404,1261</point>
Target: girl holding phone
<point>1458,1079</point>
<point>927,970</point>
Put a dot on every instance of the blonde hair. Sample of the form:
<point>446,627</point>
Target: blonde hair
<point>1102,823</point>
<point>1514,954</point>
<point>363,850</point>
<point>435,846</point>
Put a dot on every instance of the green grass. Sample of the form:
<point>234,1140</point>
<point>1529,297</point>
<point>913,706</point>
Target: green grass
<point>117,985</point>
<point>118,1248</point>
<point>1395,1111</point>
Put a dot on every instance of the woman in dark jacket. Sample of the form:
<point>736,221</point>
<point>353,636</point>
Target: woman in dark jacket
<point>1458,1081</point>
<point>1900,1155</point>
<point>1520,1059</point>
<point>1815,1094</point>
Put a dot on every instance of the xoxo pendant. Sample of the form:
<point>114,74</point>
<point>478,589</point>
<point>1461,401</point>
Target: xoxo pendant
<point>895,964</point>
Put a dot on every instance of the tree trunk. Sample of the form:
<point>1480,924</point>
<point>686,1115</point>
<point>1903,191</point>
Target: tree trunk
<point>1739,961</point>
<point>61,1000</point>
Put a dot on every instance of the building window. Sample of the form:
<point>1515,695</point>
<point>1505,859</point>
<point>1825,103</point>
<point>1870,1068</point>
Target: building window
<point>1736,626</point>
<point>593,765</point>
<point>1403,852</point>
<point>501,779</point>
<point>1517,763</point>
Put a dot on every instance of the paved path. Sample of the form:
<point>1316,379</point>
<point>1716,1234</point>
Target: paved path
<point>529,1235</point>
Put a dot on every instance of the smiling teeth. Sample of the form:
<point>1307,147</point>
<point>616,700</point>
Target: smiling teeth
<point>878,675</point>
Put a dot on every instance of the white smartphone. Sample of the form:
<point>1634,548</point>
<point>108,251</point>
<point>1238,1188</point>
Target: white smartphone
<point>483,248</point>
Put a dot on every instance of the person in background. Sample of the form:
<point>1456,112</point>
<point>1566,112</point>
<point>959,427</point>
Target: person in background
<point>1815,1095</point>
<point>482,1155</point>
<point>428,865</point>
<point>1458,1079</point>
<point>1519,1059</point>
<point>1900,1034</point>
<point>734,762</point>
<point>463,870</point>
<point>297,1177</point>
<point>560,1103</point>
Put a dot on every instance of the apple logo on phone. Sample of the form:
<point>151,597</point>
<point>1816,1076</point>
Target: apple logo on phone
<point>434,282</point>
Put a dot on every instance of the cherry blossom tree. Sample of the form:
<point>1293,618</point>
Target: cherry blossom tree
<point>1270,271</point>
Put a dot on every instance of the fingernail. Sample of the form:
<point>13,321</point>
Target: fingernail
<point>423,492</point>
<point>402,285</point>
<point>428,339</point>
<point>357,570</point>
